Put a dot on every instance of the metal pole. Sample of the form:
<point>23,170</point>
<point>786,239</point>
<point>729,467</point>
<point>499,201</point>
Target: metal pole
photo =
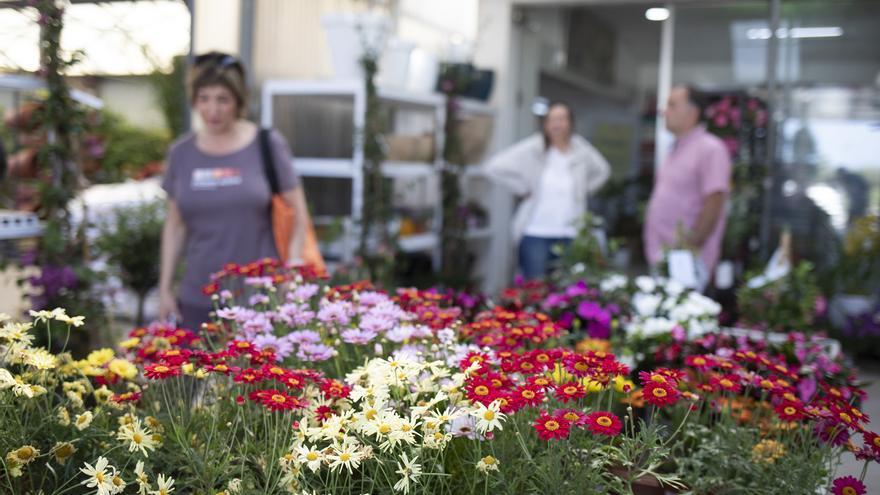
<point>770,163</point>
<point>187,112</point>
<point>662,138</point>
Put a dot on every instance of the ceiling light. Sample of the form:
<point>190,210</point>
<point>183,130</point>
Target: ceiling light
<point>798,32</point>
<point>657,14</point>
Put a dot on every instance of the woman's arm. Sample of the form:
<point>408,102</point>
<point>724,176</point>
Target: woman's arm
<point>173,237</point>
<point>598,170</point>
<point>507,167</point>
<point>296,199</point>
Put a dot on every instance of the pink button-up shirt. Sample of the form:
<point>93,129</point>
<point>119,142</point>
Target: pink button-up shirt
<point>698,165</point>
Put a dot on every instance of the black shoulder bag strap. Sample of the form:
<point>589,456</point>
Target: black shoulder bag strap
<point>268,162</point>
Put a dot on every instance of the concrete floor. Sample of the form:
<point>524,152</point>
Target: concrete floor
<point>869,373</point>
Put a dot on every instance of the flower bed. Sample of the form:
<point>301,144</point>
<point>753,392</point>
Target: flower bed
<point>300,387</point>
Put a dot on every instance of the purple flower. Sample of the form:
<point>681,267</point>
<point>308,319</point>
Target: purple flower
<point>376,323</point>
<point>225,295</point>
<point>280,346</point>
<point>358,336</point>
<point>263,282</point>
<point>257,299</point>
<point>388,310</point>
<point>566,319</point>
<point>258,323</point>
<point>578,289</point>
<point>315,352</point>
<point>807,388</point>
<point>303,292</point>
<point>304,337</point>
<point>399,334</point>
<point>555,300</point>
<point>296,314</point>
<point>339,313</point>
<point>371,298</point>
<point>598,330</point>
<point>232,313</point>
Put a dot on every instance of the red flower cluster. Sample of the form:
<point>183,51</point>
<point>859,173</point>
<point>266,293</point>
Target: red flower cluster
<point>510,330</point>
<point>159,338</point>
<point>266,267</point>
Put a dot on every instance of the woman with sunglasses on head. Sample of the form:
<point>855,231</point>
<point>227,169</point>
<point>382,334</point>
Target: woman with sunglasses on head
<point>552,174</point>
<point>218,191</point>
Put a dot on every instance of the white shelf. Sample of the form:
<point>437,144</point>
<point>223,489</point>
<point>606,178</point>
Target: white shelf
<point>324,167</point>
<point>409,98</point>
<point>408,170</point>
<point>418,242</point>
<point>481,233</point>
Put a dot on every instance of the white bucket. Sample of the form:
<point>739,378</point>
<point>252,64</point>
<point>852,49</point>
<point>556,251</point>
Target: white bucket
<point>394,66</point>
<point>423,70</point>
<point>349,34</point>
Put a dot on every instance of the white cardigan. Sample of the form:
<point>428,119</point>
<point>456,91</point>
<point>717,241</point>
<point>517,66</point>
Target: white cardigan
<point>520,167</point>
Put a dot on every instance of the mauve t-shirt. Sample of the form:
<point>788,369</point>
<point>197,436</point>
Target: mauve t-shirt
<point>224,201</point>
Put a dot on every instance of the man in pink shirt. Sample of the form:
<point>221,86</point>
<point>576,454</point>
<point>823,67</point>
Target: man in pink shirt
<point>687,206</point>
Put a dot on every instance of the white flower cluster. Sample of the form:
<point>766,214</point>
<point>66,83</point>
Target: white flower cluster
<point>661,306</point>
<point>398,409</point>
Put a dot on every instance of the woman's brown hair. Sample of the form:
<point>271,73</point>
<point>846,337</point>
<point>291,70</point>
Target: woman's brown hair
<point>219,69</point>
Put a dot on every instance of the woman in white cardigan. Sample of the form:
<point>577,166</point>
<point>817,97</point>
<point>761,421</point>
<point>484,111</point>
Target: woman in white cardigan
<point>553,175</point>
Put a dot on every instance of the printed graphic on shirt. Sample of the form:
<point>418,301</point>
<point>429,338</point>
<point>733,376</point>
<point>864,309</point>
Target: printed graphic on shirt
<point>213,178</point>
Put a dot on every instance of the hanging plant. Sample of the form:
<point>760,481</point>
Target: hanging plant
<point>453,229</point>
<point>376,210</point>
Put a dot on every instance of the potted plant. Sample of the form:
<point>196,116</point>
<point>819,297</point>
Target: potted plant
<point>857,276</point>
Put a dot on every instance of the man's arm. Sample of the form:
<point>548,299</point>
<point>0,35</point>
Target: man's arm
<point>710,214</point>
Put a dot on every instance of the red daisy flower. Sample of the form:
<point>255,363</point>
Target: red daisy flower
<point>223,368</point>
<point>323,413</point>
<point>579,365</point>
<point>550,427</point>
<point>529,395</point>
<point>237,347</point>
<point>702,363</point>
<point>790,411</point>
<point>729,383</point>
<point>248,375</point>
<point>474,357</point>
<point>275,400</point>
<point>847,485</point>
<point>272,371</point>
<point>481,390</point>
<point>174,356</point>
<point>872,440</point>
<point>570,391</point>
<point>335,389</point>
<point>604,423</point>
<point>540,380</point>
<point>646,377</point>
<point>161,371</point>
<point>660,394</point>
<point>573,416</point>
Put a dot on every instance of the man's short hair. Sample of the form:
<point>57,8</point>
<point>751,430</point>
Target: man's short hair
<point>697,98</point>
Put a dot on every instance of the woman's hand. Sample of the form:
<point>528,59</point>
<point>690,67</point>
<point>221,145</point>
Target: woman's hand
<point>168,306</point>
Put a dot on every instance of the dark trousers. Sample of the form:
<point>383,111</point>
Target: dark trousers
<point>536,255</point>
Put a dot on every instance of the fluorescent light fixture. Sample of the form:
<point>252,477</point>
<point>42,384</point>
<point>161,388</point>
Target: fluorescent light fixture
<point>798,32</point>
<point>657,14</point>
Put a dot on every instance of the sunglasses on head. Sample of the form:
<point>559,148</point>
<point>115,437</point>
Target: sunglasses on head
<point>220,60</point>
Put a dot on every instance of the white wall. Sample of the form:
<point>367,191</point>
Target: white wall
<point>134,99</point>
